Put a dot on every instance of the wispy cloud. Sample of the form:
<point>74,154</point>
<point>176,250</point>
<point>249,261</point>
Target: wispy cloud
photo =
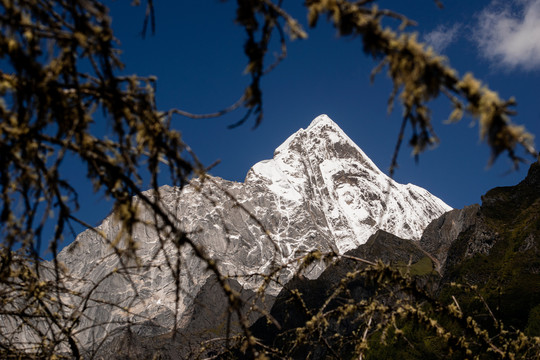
<point>440,38</point>
<point>508,33</point>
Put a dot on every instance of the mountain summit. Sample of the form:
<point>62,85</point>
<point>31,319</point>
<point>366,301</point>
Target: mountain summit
<point>319,192</point>
<point>322,169</point>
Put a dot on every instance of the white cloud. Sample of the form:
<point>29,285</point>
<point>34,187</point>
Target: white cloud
<point>508,33</point>
<point>440,38</point>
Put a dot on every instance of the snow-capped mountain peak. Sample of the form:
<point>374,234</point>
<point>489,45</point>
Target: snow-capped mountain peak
<point>319,191</point>
<point>321,167</point>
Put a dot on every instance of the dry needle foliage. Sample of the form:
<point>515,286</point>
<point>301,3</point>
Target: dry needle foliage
<point>59,77</point>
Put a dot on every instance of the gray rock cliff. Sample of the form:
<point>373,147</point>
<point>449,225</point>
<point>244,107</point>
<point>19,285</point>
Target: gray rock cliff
<point>320,191</point>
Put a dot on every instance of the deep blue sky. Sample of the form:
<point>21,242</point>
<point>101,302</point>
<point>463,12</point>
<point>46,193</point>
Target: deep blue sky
<point>197,56</point>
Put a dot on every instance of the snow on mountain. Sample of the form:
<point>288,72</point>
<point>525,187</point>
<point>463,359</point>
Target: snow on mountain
<point>320,191</point>
<point>321,167</point>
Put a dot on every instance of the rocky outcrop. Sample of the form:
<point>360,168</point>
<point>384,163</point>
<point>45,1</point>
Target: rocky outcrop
<point>442,232</point>
<point>499,253</point>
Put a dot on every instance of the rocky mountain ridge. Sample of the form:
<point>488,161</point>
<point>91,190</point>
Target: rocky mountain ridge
<point>319,192</point>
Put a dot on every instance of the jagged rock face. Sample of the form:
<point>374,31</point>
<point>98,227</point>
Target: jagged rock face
<point>499,250</point>
<point>442,232</point>
<point>507,217</point>
<point>322,177</point>
<point>320,191</point>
